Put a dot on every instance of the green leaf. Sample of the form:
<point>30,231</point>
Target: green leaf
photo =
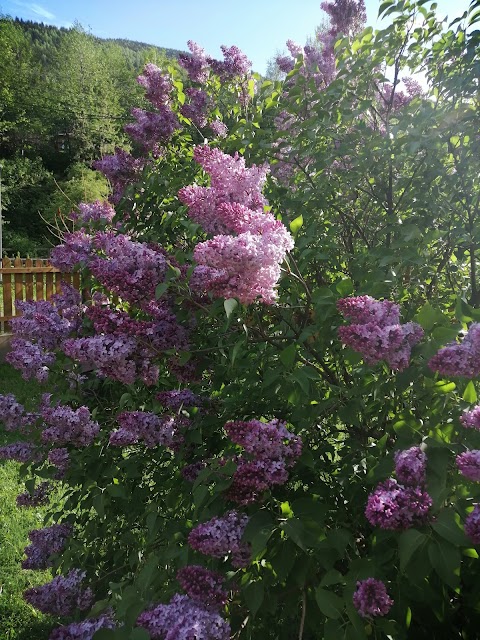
<point>296,224</point>
<point>344,287</point>
<point>287,356</point>
<point>427,317</point>
<point>258,531</point>
<point>447,525</point>
<point>296,532</point>
<point>230,305</point>
<point>160,289</point>
<point>470,394</point>
<point>139,634</point>
<point>332,577</point>
<point>446,561</point>
<point>329,603</point>
<point>408,542</point>
<point>254,595</point>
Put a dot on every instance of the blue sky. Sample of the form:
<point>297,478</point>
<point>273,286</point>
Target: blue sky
<point>259,27</point>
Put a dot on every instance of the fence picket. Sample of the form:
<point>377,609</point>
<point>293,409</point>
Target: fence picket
<point>29,281</point>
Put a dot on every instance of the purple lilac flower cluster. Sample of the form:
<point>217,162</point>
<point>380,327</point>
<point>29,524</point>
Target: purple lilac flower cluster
<point>472,525</point>
<point>97,211</point>
<point>271,450</point>
<point>183,619</point>
<point>158,86</point>
<point>176,400</point>
<point>63,596</point>
<point>13,414</point>
<point>45,543</point>
<point>65,425</point>
<point>84,630</point>
<point>129,269</point>
<point>395,507</point>
<point>121,169</point>
<point>471,419</point>
<point>19,451</point>
<point>204,587</point>
<point>31,359</point>
<point>146,427</point>
<point>460,358</point>
<point>243,259</point>
<point>42,323</point>
<point>152,127</point>
<point>191,471</point>
<point>196,109</point>
<point>221,536</point>
<point>59,458</point>
<point>410,466</point>
<point>198,65</point>
<point>371,598</point>
<point>376,331</point>
<point>74,251</point>
<point>38,498</point>
<point>468,464</point>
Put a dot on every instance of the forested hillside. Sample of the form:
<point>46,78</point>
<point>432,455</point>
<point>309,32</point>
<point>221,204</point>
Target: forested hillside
<point>65,97</point>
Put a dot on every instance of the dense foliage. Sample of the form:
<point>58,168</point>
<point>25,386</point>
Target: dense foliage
<point>262,420</point>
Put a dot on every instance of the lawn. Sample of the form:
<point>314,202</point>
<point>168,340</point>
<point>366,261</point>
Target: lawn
<point>18,620</point>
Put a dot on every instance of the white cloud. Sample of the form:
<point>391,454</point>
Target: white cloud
<point>41,11</point>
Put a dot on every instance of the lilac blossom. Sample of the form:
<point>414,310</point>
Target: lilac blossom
<point>468,464</point>
<point>191,471</point>
<point>472,525</point>
<point>13,414</point>
<point>377,333</point>
<point>410,466</point>
<point>219,128</point>
<point>121,169</point>
<point>75,251</point>
<point>19,451</point>
<point>195,64</point>
<point>129,269</point>
<point>471,419</point>
<point>234,64</point>
<point>393,506</point>
<point>97,211</point>
<point>59,458</point>
<point>158,86</point>
<point>84,630</point>
<point>145,427</point>
<point>42,323</point>
<point>460,358</point>
<point>371,598</point>
<point>38,498</point>
<point>151,127</point>
<point>64,425</point>
<point>45,543</point>
<point>183,619</point>
<point>176,400</point>
<point>195,109</point>
<point>204,587</point>
<point>221,536</point>
<point>63,596</point>
<point>265,440</point>
<point>31,359</point>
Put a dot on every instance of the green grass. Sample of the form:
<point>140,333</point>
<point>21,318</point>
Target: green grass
<point>18,620</point>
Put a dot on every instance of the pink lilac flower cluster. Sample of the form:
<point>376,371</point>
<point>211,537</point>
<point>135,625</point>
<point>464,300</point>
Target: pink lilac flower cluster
<point>183,619</point>
<point>219,128</point>
<point>204,587</point>
<point>376,331</point>
<point>63,596</point>
<point>410,466</point>
<point>147,428</point>
<point>152,128</point>
<point>176,400</point>
<point>243,259</point>
<point>158,86</point>
<point>84,630</point>
<point>460,358</point>
<point>472,525</point>
<point>74,251</point>
<point>97,211</point>
<point>221,536</point>
<point>198,65</point>
<point>271,450</point>
<point>38,498</point>
<point>393,506</point>
<point>468,464</point>
<point>45,543</point>
<point>371,598</point>
<point>19,451</point>
<point>65,425</point>
<point>59,458</point>
<point>121,169</point>
<point>13,414</point>
<point>129,269</point>
<point>471,419</point>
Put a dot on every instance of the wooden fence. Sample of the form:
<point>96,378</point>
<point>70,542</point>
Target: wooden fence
<point>27,279</point>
